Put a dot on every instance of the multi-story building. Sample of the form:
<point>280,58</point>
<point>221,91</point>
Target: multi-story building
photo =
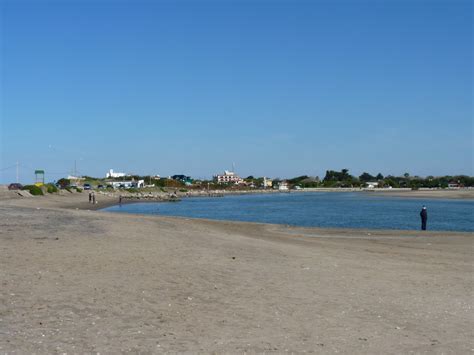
<point>228,177</point>
<point>267,182</point>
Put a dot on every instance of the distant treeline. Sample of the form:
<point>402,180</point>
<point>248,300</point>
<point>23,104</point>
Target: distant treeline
<point>344,179</point>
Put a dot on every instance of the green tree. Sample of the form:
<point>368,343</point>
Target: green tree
<point>365,177</point>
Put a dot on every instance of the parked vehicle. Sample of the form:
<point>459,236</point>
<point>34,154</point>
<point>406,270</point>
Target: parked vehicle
<point>15,186</point>
<point>100,186</point>
<point>87,186</point>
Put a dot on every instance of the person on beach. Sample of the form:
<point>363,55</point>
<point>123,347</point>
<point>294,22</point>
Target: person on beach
<point>424,218</point>
<point>93,198</point>
<point>90,197</point>
<point>120,199</point>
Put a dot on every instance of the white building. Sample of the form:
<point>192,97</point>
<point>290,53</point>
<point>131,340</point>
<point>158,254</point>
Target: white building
<point>127,184</point>
<point>283,186</point>
<point>228,177</point>
<point>76,180</point>
<point>112,174</point>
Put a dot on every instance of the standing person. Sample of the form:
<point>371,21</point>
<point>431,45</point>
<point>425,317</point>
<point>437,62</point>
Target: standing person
<point>424,218</point>
<point>90,197</point>
<point>120,199</point>
<point>93,198</point>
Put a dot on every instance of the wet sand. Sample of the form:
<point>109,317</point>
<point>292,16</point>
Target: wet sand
<point>461,194</point>
<point>80,281</point>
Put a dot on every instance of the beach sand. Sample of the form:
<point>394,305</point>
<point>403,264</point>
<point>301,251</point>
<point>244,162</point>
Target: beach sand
<point>80,281</point>
<point>457,194</point>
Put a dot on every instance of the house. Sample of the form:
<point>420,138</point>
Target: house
<point>183,178</point>
<point>76,180</point>
<point>228,177</point>
<point>372,185</point>
<point>283,186</point>
<point>267,183</point>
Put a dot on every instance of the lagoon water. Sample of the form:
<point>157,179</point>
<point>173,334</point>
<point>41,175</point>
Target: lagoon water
<point>328,210</point>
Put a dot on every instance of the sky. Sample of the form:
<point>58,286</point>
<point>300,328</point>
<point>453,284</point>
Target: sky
<point>278,88</point>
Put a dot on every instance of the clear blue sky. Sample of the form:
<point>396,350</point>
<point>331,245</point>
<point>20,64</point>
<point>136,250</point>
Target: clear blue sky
<point>281,88</point>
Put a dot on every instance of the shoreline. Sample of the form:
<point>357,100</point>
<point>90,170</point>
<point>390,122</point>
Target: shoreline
<point>75,203</point>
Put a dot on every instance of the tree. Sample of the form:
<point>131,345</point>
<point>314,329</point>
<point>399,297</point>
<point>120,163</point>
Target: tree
<point>339,179</point>
<point>331,175</point>
<point>391,182</point>
<point>64,182</point>
<point>379,176</point>
<point>365,177</point>
<point>298,179</point>
<point>345,175</point>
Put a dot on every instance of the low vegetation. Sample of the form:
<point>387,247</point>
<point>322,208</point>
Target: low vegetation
<point>34,190</point>
<point>50,188</point>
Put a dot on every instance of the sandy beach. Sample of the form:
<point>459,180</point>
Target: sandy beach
<point>75,280</point>
<point>457,194</point>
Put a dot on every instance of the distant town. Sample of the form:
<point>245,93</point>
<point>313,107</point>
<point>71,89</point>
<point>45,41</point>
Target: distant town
<point>230,180</point>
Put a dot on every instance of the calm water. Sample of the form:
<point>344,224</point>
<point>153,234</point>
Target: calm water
<point>346,210</point>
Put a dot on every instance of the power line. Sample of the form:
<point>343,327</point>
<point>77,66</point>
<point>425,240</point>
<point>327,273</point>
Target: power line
<point>8,167</point>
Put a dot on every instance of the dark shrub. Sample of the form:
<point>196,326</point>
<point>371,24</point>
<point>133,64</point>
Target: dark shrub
<point>34,190</point>
<point>64,183</point>
<point>50,188</point>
